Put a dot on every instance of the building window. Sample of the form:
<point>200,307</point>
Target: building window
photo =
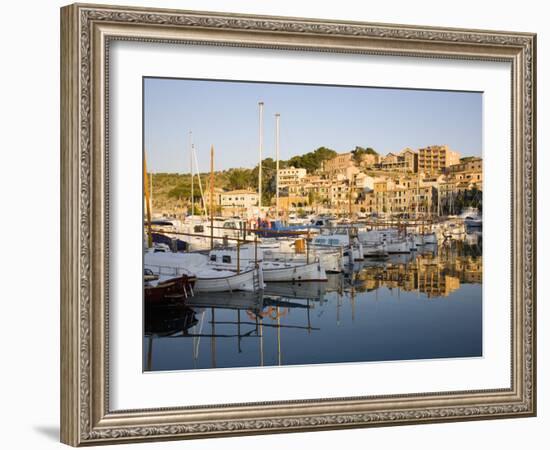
<point>226,259</point>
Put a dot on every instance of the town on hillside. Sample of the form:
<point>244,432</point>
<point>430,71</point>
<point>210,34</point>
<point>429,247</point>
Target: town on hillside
<point>426,182</point>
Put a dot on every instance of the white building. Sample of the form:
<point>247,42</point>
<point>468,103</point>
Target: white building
<point>290,176</point>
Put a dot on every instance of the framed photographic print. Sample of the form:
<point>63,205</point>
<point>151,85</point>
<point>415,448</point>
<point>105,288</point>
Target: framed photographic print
<point>276,224</point>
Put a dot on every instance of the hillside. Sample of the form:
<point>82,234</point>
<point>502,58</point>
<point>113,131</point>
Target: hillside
<point>172,191</point>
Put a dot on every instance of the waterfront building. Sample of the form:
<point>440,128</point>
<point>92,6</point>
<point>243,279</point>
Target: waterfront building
<point>292,202</point>
<point>436,158</point>
<point>240,201</point>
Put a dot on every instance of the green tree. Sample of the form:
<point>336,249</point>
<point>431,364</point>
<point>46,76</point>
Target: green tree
<point>268,179</point>
<point>312,161</point>
<point>359,153</point>
<point>239,179</point>
<point>181,190</point>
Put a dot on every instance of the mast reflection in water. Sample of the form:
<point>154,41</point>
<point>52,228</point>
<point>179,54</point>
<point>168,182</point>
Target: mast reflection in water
<point>421,305</point>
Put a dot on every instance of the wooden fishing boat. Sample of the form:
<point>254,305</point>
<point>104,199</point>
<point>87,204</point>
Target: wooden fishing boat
<point>158,289</point>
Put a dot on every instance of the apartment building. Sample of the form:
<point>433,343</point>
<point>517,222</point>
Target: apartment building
<point>436,158</point>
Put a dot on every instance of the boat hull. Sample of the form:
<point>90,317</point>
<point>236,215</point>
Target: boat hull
<point>280,272</point>
<point>244,281</point>
<point>173,290</point>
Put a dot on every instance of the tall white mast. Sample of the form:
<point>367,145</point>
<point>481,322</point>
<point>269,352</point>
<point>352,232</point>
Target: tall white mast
<point>261,114</point>
<point>200,182</point>
<point>192,173</point>
<point>277,139</point>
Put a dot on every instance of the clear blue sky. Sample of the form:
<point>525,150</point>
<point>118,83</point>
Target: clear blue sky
<point>225,114</point>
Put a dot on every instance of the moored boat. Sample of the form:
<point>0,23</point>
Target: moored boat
<point>331,260</point>
<point>232,258</point>
<point>165,289</point>
<point>352,249</point>
<point>215,280</point>
<point>274,271</point>
<point>208,278</point>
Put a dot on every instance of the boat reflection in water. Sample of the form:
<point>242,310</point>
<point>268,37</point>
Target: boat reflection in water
<point>421,305</point>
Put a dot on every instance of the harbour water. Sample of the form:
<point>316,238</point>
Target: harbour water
<point>422,305</point>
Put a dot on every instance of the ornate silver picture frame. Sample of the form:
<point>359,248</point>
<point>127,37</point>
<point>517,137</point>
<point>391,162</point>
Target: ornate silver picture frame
<point>87,32</point>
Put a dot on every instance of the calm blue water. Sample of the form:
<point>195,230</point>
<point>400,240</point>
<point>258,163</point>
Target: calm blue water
<point>410,307</point>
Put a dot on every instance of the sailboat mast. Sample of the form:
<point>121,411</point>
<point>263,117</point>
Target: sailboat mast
<point>192,173</point>
<point>147,203</point>
<point>277,139</point>
<point>212,197</point>
<point>261,144</point>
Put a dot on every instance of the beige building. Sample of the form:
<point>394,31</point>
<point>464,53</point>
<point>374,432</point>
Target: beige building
<point>290,176</point>
<point>239,199</point>
<point>217,197</point>
<point>472,164</point>
<point>404,161</point>
<point>436,158</point>
<point>391,196</point>
<point>291,202</point>
<point>470,171</point>
<point>338,164</point>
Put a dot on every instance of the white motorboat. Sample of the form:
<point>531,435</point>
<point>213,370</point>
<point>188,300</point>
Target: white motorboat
<point>395,242</point>
<point>331,260</point>
<point>274,271</point>
<point>216,280</point>
<point>209,279</point>
<point>231,258</point>
<point>352,249</point>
